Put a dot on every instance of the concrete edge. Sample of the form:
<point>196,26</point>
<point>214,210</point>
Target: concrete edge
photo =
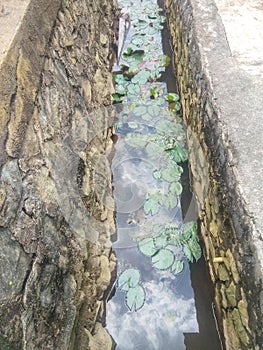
<point>226,126</point>
<point>229,95</point>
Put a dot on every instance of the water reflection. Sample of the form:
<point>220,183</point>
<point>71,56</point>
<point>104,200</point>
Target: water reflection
<point>148,128</point>
<point>169,311</point>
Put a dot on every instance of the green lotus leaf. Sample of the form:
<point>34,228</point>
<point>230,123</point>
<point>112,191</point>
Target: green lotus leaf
<point>154,111</point>
<point>133,125</point>
<point>163,259</point>
<point>154,93</point>
<point>136,140</point>
<point>170,201</point>
<point>133,89</point>
<point>175,188</point>
<point>140,110</point>
<point>151,206</point>
<point>160,242</point>
<point>188,253</point>
<point>195,248</point>
<point>135,298</point>
<point>157,174</point>
<point>128,279</point>
<point>141,77</point>
<point>189,230</point>
<point>172,97</point>
<point>147,117</point>
<point>147,246</point>
<point>154,150</point>
<point>177,267</point>
<point>172,173</point>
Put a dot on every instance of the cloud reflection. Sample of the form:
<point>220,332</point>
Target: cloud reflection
<point>160,324</point>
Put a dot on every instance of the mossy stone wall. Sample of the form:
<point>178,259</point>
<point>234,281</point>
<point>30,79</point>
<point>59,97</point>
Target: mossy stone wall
<point>225,226</point>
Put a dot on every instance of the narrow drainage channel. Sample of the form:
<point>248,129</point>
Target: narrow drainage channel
<point>160,300</point>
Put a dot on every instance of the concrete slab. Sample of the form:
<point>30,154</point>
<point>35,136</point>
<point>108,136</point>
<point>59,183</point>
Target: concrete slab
<point>243,20</point>
<point>240,95</point>
<point>230,35</point>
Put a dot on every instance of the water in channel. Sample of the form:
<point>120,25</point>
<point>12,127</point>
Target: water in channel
<point>161,299</point>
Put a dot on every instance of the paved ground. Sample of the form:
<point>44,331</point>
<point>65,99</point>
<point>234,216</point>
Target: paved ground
<point>243,95</point>
<point>243,21</point>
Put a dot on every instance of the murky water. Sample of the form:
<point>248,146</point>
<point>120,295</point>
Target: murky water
<point>176,312</point>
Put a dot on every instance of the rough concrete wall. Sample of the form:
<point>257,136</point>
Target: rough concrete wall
<point>56,211</point>
<point>203,58</point>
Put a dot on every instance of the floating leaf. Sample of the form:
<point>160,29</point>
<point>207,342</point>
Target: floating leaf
<point>172,97</point>
<point>133,89</point>
<point>147,117</point>
<point>172,173</point>
<point>160,101</point>
<point>169,115</point>
<point>118,124</point>
<point>176,188</point>
<point>163,259</point>
<point>158,229</point>
<point>119,79</point>
<point>170,201</point>
<point>121,90</point>
<point>135,298</point>
<point>177,266</point>
<point>154,150</point>
<point>148,30</point>
<point>175,239</point>
<point>178,153</point>
<point>169,128</point>
<point>154,111</point>
<point>164,61</point>
<point>175,106</point>
<point>116,97</point>
<point>195,248</point>
<point>160,242</point>
<point>135,54</point>
<point>162,19</point>
<point>137,40</point>
<point>188,253</point>
<point>136,140</point>
<point>141,77</point>
<point>157,174</point>
<point>140,23</point>
<point>147,246</point>
<point>151,206</point>
<point>128,279</point>
<point>154,93</point>
<point>189,230</point>
<point>140,110</point>
<point>133,125</point>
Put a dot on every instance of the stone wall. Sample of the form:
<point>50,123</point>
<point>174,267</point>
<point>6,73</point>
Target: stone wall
<point>200,47</point>
<point>56,210</point>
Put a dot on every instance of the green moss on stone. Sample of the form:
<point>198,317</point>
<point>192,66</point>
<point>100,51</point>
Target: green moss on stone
<point>242,334</point>
<point>223,273</point>
<point>231,295</point>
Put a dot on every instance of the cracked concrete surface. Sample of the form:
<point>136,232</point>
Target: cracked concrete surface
<point>242,102</point>
<point>243,20</point>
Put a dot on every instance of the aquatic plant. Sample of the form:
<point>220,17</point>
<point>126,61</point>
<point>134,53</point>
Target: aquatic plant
<point>153,117</point>
<point>129,282</point>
